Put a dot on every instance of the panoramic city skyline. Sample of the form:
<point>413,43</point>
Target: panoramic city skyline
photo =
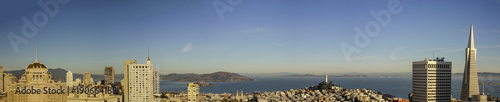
<point>253,37</point>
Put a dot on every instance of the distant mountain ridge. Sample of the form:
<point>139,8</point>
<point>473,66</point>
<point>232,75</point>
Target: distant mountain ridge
<point>481,75</point>
<point>341,76</point>
<point>59,74</point>
<point>211,77</point>
<point>282,74</point>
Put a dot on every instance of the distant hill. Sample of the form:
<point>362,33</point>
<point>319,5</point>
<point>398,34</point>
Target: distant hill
<point>59,74</point>
<point>301,75</point>
<point>481,75</point>
<point>258,75</point>
<point>341,76</point>
<point>354,76</point>
<point>349,74</point>
<point>211,77</point>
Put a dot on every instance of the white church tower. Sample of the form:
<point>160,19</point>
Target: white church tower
<point>326,78</point>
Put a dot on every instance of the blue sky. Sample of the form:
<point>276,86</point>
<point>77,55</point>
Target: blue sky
<point>257,36</point>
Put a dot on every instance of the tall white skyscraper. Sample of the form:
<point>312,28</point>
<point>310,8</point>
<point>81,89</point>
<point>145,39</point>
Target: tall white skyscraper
<point>431,81</point>
<point>470,86</point>
<point>125,81</point>
<point>139,81</point>
<point>69,79</point>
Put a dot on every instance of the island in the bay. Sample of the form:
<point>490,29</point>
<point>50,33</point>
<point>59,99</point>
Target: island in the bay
<point>210,77</point>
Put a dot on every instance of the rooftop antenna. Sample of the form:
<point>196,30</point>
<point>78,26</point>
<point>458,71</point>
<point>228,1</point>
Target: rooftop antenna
<point>433,54</point>
<point>36,54</point>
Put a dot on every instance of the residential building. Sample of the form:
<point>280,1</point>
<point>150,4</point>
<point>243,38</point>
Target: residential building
<point>109,75</point>
<point>1,79</point>
<point>101,97</point>
<point>124,81</point>
<point>8,79</point>
<point>77,82</point>
<point>156,82</point>
<point>139,82</point>
<point>87,79</point>
<point>104,96</point>
<point>192,92</point>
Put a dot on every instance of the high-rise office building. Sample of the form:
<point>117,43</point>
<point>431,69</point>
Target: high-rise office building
<point>8,79</point>
<point>156,82</point>
<point>69,79</point>
<point>124,81</point>
<point>109,75</point>
<point>102,96</point>
<point>1,78</point>
<point>138,81</point>
<point>77,81</point>
<point>87,79</point>
<point>470,83</point>
<point>431,80</point>
<point>192,91</point>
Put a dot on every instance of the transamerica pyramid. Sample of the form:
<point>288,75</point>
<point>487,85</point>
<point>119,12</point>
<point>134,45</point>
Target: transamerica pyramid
<point>470,85</point>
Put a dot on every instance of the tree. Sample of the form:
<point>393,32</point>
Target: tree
<point>163,95</point>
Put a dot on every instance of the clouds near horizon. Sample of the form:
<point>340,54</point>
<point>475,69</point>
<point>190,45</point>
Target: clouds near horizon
<point>187,48</point>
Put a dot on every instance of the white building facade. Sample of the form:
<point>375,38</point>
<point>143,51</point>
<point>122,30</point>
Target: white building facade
<point>69,79</point>
<point>431,81</point>
<point>139,82</point>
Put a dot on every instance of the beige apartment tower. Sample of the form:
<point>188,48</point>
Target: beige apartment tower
<point>8,79</point>
<point>139,81</point>
<point>431,80</point>
<point>109,75</point>
<point>470,86</point>
<point>87,79</point>
<point>192,92</point>
<point>1,78</point>
<point>124,81</point>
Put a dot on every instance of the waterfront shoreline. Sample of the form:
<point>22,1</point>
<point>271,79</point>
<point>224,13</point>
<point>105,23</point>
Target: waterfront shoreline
<point>321,92</point>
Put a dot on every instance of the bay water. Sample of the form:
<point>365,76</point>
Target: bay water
<point>398,87</point>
